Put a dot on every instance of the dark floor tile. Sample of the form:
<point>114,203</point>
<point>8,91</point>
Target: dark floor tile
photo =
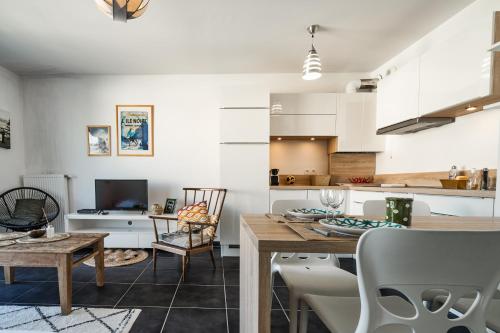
<point>315,324</point>
<point>348,264</point>
<point>279,322</point>
<point>84,273</point>
<point>121,274</point>
<point>231,263</point>
<point>44,293</point>
<point>29,274</point>
<point>233,297</point>
<point>233,320</point>
<point>90,294</point>
<point>278,281</point>
<point>10,291</point>
<point>160,276</point>
<point>150,320</point>
<point>282,294</point>
<point>232,277</point>
<point>200,296</point>
<point>149,295</point>
<point>205,276</point>
<point>167,263</point>
<point>207,320</point>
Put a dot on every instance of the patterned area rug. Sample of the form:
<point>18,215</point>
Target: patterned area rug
<point>119,257</point>
<point>81,320</point>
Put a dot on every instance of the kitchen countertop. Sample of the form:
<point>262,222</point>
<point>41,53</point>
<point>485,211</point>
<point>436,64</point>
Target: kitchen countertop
<point>417,190</point>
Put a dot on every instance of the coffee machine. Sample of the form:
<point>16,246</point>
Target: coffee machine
<point>274,178</point>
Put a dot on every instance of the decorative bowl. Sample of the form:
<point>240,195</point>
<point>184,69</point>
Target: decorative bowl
<point>361,180</point>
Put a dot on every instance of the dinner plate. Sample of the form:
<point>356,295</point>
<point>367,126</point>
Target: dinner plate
<point>308,213</point>
<point>357,226</point>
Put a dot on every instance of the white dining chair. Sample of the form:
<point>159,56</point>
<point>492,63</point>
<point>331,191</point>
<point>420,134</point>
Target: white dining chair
<point>378,207</point>
<point>309,273</point>
<point>412,262</point>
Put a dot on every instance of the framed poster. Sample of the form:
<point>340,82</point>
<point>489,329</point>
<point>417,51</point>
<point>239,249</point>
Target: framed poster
<point>135,130</point>
<point>4,129</point>
<point>99,140</point>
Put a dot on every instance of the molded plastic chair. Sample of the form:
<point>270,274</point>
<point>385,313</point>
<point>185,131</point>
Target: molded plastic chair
<point>309,273</point>
<point>377,208</point>
<point>412,262</point>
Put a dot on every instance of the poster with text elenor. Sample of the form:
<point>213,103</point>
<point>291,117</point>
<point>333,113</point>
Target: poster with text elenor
<point>135,133</point>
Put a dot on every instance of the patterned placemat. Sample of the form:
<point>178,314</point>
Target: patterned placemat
<point>12,235</point>
<point>7,243</point>
<point>43,239</point>
<point>304,231</point>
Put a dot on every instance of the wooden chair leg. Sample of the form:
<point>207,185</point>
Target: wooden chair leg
<point>155,253</point>
<point>212,256</point>
<point>183,268</point>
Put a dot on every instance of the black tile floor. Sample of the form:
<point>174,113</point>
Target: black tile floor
<point>207,301</point>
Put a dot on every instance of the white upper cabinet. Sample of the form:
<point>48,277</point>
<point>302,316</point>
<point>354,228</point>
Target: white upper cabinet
<point>304,114</point>
<point>244,125</point>
<point>306,103</point>
<point>356,129</point>
<point>457,69</point>
<point>397,95</point>
<point>303,125</point>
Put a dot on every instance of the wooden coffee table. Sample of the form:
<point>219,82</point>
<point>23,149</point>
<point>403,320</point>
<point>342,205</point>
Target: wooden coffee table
<point>56,254</point>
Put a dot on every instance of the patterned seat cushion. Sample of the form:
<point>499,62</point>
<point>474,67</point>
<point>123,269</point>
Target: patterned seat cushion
<point>181,239</point>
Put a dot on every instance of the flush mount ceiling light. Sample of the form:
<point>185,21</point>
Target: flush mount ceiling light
<point>122,10</point>
<point>471,108</point>
<point>312,64</point>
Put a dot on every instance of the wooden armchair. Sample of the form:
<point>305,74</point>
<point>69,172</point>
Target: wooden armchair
<point>196,240</point>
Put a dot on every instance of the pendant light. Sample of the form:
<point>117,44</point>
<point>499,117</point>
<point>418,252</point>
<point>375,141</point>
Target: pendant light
<point>122,10</point>
<point>312,64</point>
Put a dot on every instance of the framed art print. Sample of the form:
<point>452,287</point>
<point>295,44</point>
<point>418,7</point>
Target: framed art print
<point>134,130</point>
<point>99,140</point>
<point>4,129</point>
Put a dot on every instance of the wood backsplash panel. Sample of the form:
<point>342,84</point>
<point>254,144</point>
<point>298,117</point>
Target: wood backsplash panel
<point>346,165</point>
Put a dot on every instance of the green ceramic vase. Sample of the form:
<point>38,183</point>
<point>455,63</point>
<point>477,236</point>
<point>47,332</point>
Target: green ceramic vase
<point>398,210</point>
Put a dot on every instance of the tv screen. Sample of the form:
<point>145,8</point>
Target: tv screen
<point>111,194</point>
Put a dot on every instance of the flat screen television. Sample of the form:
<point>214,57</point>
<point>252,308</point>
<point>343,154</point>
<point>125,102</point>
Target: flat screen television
<point>115,194</point>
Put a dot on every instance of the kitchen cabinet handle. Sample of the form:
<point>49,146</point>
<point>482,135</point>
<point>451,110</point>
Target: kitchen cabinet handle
<point>358,202</point>
<point>441,214</point>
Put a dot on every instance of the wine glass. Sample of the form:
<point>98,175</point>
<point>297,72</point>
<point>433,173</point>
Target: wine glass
<point>335,199</point>
<point>323,198</point>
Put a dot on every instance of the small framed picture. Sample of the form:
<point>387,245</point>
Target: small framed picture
<point>169,206</point>
<point>99,140</point>
<point>4,129</point>
<point>135,130</point>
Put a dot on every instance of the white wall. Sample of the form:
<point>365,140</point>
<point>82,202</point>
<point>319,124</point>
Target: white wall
<point>297,156</point>
<point>470,142</point>
<point>12,160</point>
<point>57,110</point>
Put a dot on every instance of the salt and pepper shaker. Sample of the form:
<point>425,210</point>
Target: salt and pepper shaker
<point>50,232</point>
<point>485,179</point>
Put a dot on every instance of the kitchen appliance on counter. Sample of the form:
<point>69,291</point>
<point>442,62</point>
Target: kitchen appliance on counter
<point>274,178</point>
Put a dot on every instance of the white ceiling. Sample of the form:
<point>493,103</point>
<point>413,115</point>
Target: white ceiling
<point>212,36</point>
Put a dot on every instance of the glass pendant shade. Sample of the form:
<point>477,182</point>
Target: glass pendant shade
<point>122,10</point>
<point>312,66</point>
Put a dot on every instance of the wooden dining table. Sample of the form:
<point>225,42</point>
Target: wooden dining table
<point>261,235</point>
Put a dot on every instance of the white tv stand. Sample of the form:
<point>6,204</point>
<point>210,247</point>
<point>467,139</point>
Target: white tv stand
<point>126,230</point>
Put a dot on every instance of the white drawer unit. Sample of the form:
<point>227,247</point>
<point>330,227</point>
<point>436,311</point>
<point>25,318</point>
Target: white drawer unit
<point>313,195</point>
<point>303,125</point>
<point>358,198</point>
<point>457,206</point>
<point>286,195</point>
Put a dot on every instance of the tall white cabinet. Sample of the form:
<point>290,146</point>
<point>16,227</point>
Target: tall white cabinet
<point>244,158</point>
<point>356,128</point>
